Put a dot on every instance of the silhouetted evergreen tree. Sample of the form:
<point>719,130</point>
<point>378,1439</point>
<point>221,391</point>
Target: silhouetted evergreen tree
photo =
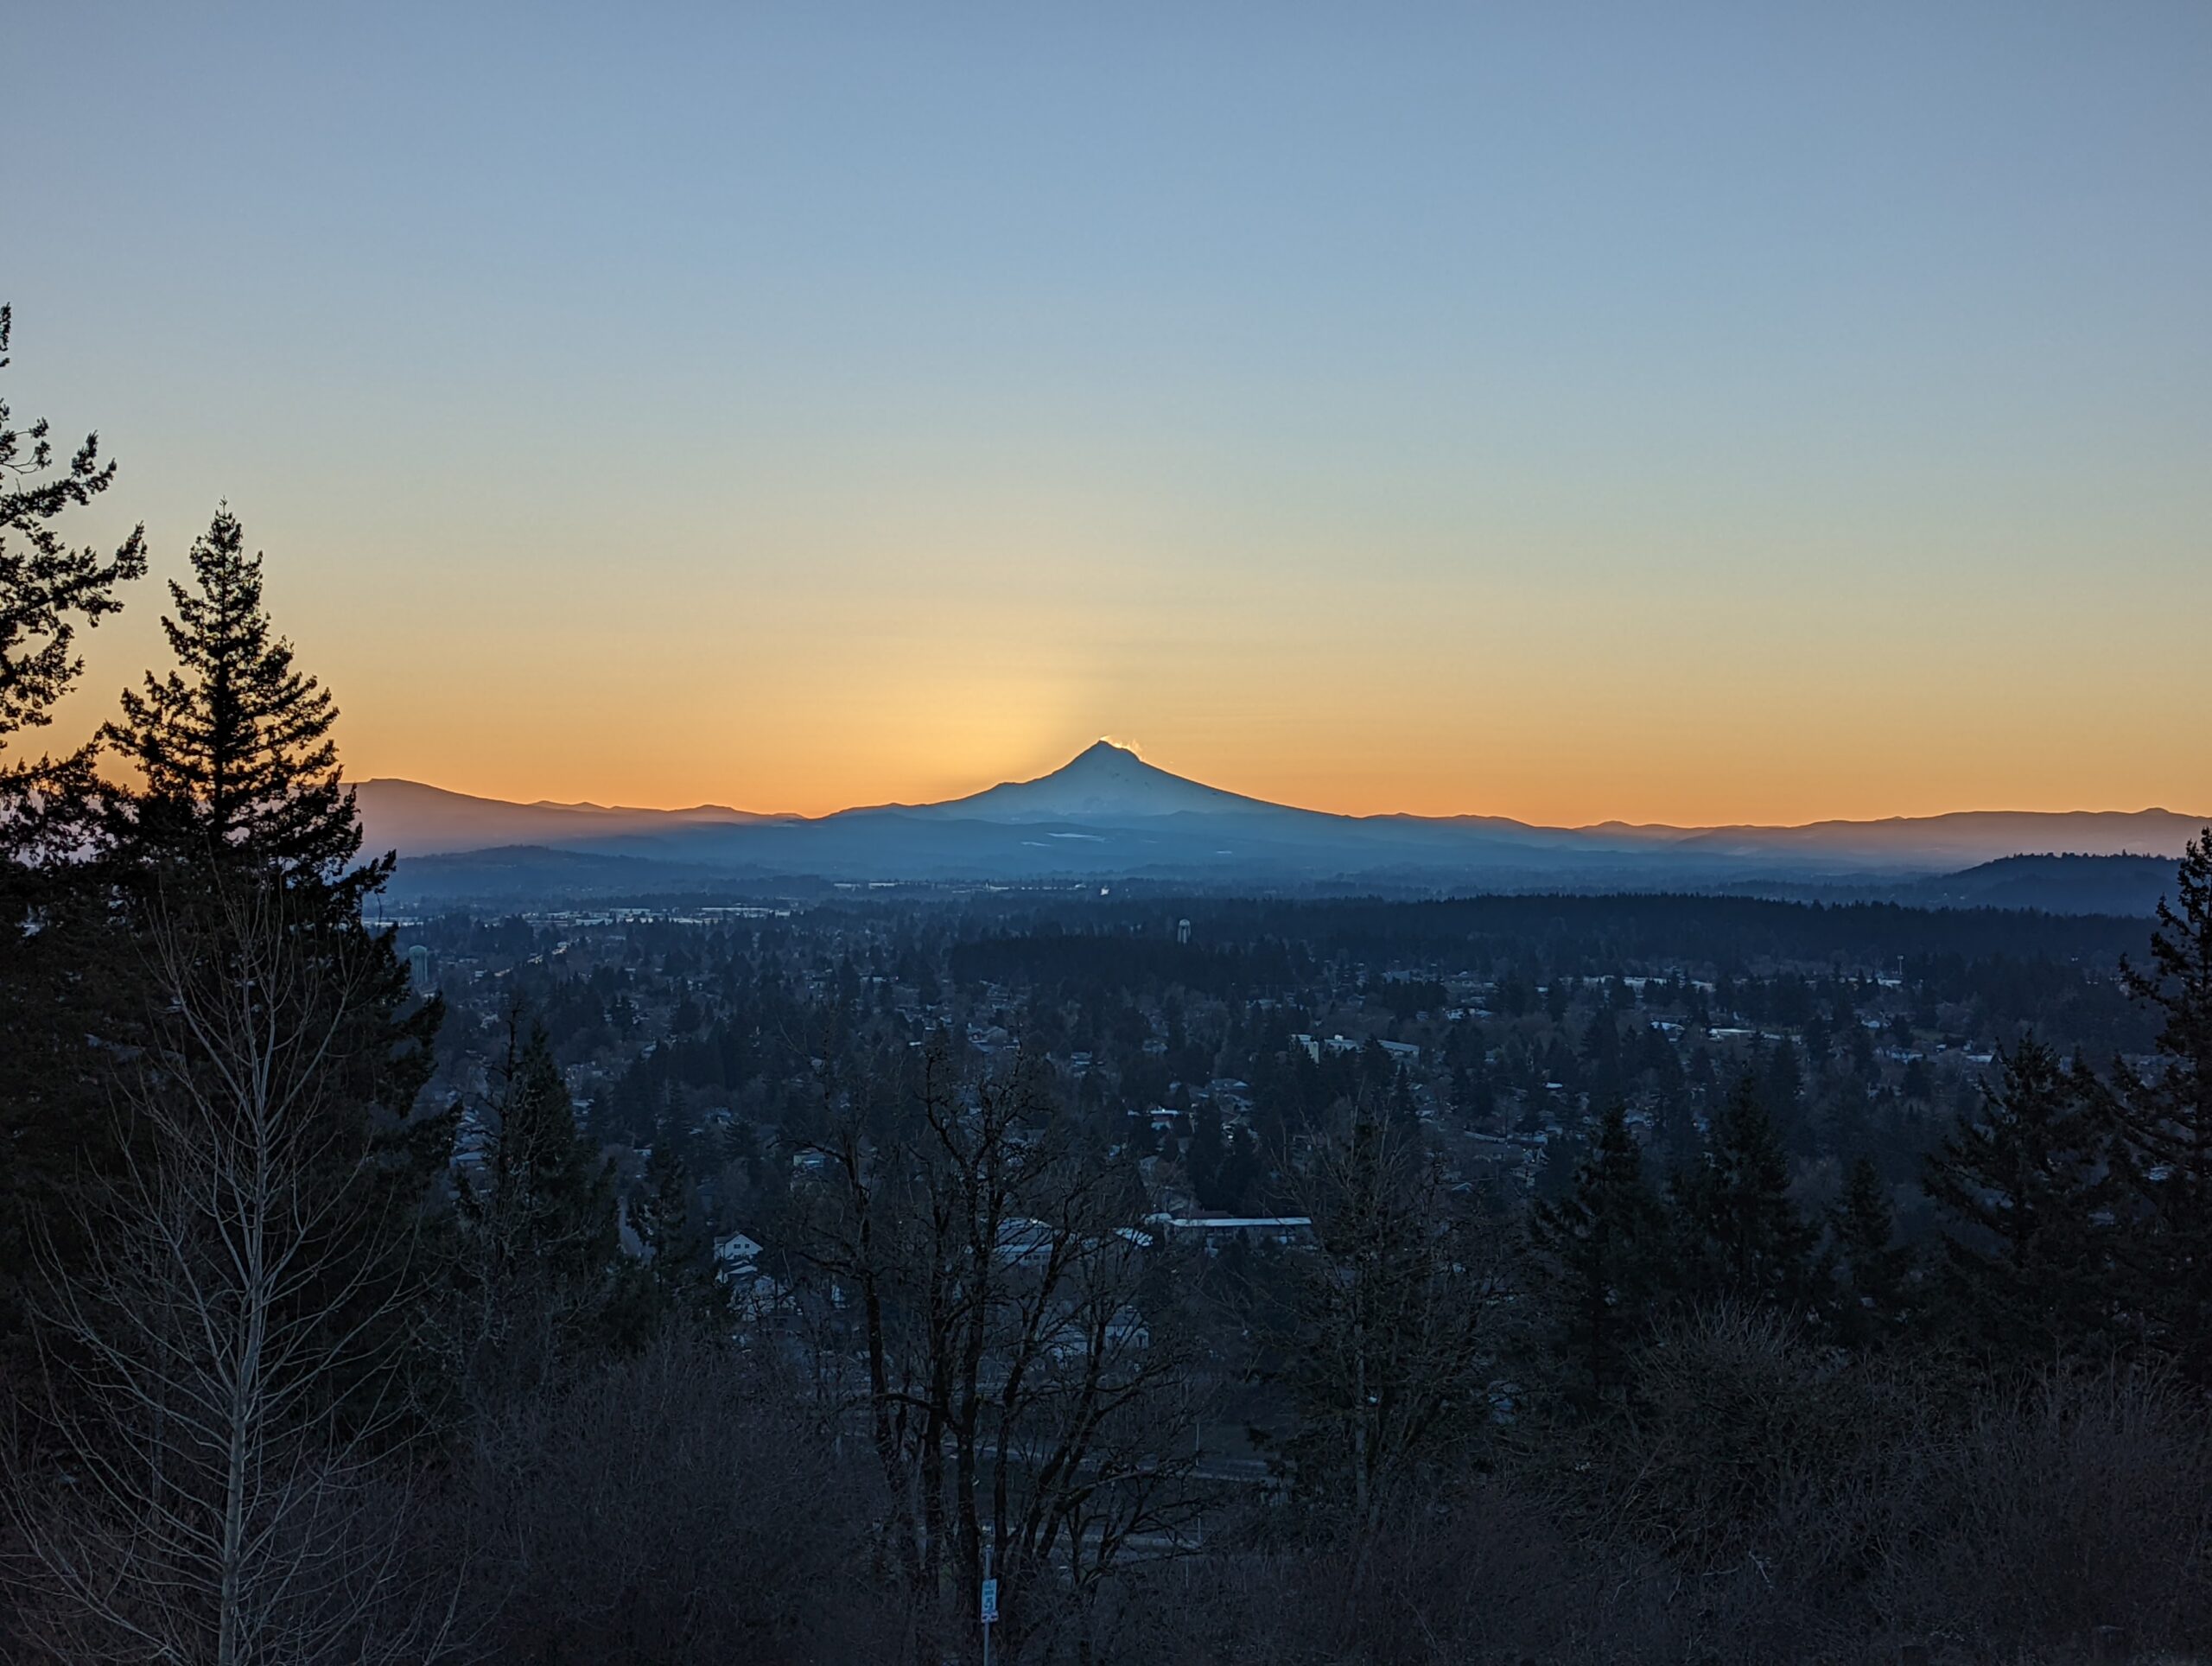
<point>2163,1117</point>
<point>1403,1110</point>
<point>1743,1239</point>
<point>47,590</point>
<point>1870,1293</point>
<point>1602,1258</point>
<point>1473,1096</point>
<point>237,768</point>
<point>679,1264</point>
<point>233,746</point>
<point>538,1231</point>
<point>66,975</point>
<point>1557,996</point>
<point>2025,1272</point>
<point>1781,1087</point>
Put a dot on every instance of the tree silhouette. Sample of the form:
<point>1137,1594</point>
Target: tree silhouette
<point>2163,1117</point>
<point>66,974</point>
<point>234,744</point>
<point>47,590</point>
<point>1601,1254</point>
<point>1871,1297</point>
<point>1747,1241</point>
<point>2023,1254</point>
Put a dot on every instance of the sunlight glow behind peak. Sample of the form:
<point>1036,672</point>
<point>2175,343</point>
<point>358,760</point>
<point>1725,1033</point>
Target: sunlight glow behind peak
<point>1488,414</point>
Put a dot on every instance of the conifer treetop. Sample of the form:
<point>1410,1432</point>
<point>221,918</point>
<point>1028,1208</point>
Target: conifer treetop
<point>47,588</point>
<point>233,746</point>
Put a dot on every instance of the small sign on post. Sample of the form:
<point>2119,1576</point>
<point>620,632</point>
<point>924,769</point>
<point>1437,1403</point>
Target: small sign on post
<point>990,1597</point>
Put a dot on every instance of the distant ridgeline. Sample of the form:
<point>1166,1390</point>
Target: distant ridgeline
<point>2059,884</point>
<point>1109,816</point>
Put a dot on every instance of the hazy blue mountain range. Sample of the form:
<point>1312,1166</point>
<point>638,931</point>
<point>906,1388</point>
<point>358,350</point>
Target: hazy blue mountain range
<point>2057,885</point>
<point>1107,813</point>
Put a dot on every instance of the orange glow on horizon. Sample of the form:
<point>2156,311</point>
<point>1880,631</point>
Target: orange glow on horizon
<point>1520,791</point>
<point>1484,416</point>
<point>1561,672</point>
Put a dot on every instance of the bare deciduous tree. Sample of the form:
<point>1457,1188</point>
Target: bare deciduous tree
<point>203,1482</point>
<point>1024,1389</point>
<point>1392,1321</point>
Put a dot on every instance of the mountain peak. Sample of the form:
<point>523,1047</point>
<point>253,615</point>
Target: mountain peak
<point>1106,781</point>
<point>1106,758</point>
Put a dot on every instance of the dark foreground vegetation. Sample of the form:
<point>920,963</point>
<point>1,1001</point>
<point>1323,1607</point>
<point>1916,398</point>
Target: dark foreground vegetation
<point>1531,1278</point>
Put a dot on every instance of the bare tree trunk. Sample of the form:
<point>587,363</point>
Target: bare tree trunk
<point>219,1373</point>
<point>1391,1320</point>
<point>1000,1298</point>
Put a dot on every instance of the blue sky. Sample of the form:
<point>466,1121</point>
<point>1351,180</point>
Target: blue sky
<point>1696,413</point>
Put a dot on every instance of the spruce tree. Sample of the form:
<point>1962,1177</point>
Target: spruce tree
<point>1872,1292</point>
<point>2025,1250</point>
<point>240,809</point>
<point>1782,1088</point>
<point>47,590</point>
<point>679,1260</point>
<point>2162,1121</point>
<point>233,746</point>
<point>551,1200</point>
<point>240,785</point>
<point>1601,1257</point>
<point>71,978</point>
<point>538,1228</point>
<point>1745,1240</point>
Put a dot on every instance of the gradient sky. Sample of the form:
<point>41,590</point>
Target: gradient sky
<point>1671,412</point>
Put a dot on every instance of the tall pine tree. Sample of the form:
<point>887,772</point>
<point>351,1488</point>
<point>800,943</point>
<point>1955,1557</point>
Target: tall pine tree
<point>47,590</point>
<point>237,769</point>
<point>1744,1239</point>
<point>679,1269</point>
<point>2024,1275</point>
<point>234,745</point>
<point>240,791</point>
<point>1602,1262</point>
<point>538,1228</point>
<point>1872,1291</point>
<point>66,975</point>
<point>2163,1118</point>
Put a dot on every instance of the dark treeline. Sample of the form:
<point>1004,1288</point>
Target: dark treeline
<point>2021,968</point>
<point>1588,935</point>
<point>1524,1278</point>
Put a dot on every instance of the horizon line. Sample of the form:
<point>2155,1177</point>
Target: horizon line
<point>704,806</point>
